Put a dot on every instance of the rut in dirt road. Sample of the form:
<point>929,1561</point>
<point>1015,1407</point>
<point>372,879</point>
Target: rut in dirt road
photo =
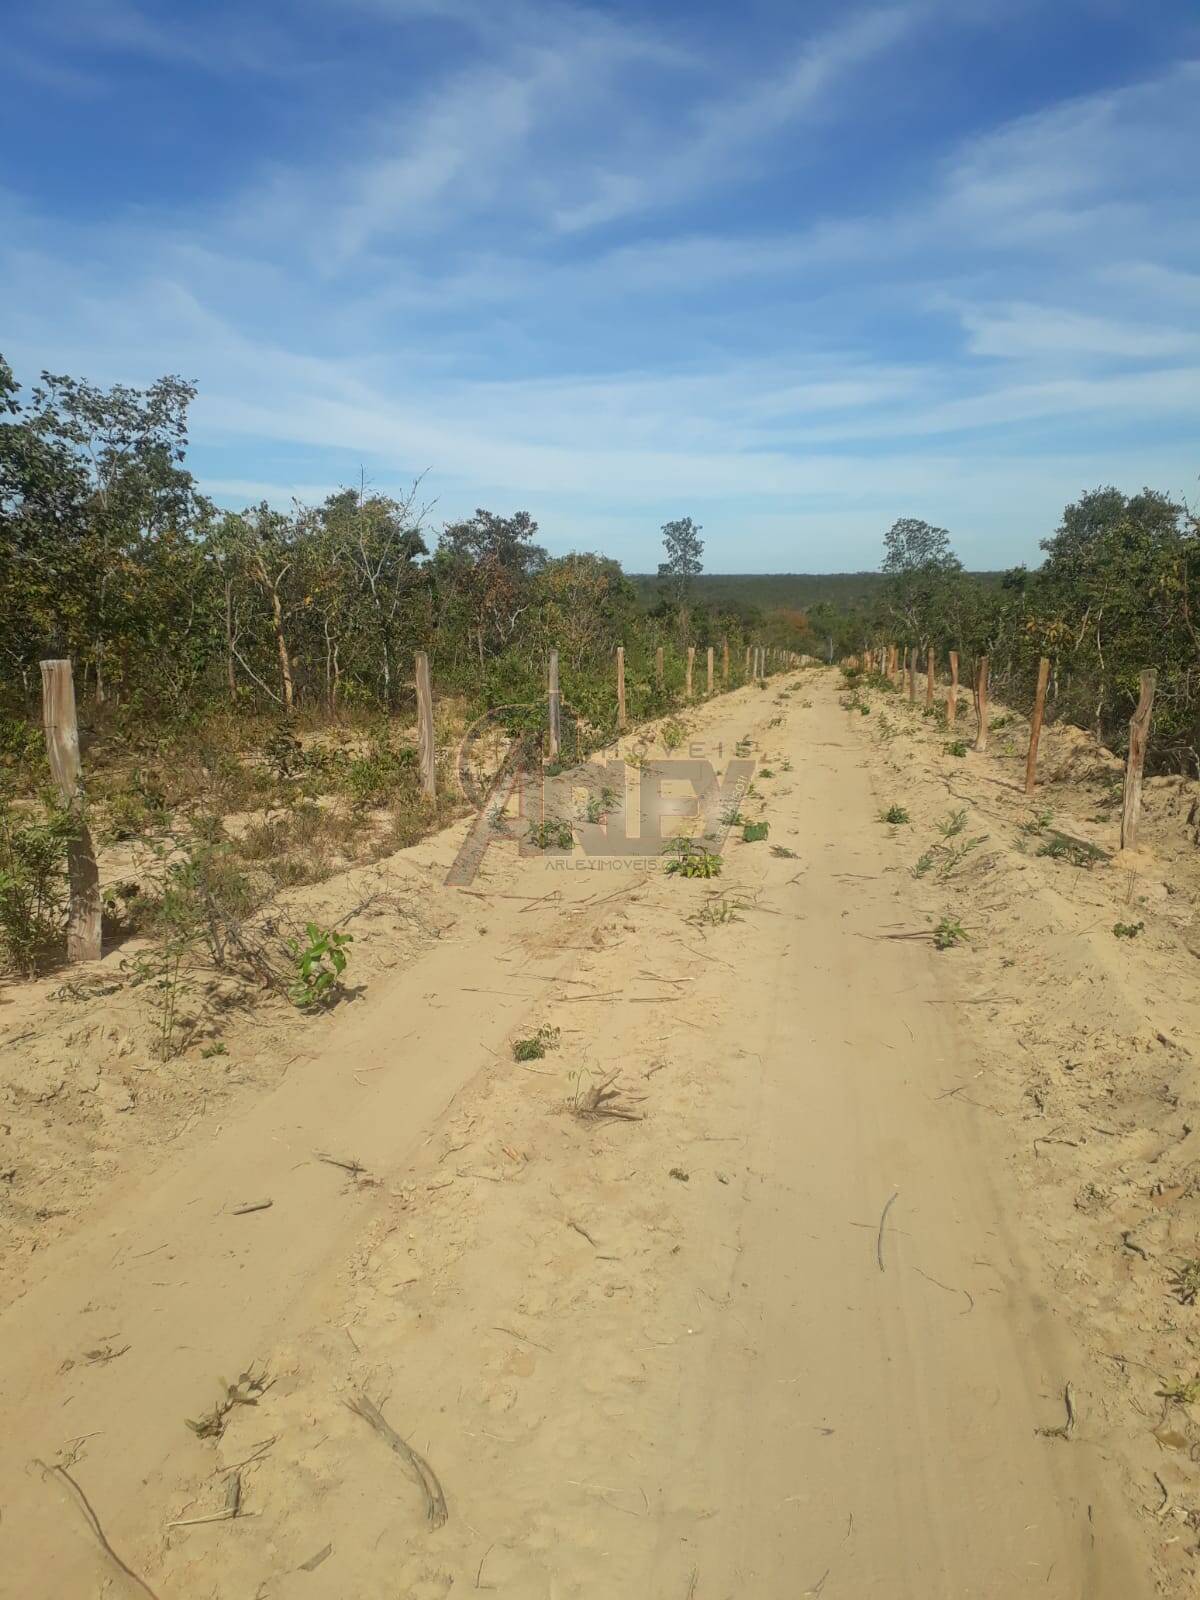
<point>773,1333</point>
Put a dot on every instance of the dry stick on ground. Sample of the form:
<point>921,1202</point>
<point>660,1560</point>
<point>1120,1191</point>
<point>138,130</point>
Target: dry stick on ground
<point>1067,1428</point>
<point>351,1166</point>
<point>1035,724</point>
<point>435,1501</point>
<point>93,1522</point>
<point>882,1222</point>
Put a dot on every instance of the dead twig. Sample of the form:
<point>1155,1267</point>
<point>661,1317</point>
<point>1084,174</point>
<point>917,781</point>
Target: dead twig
<point>351,1166</point>
<point>93,1522</point>
<point>1067,1428</point>
<point>435,1501</point>
<point>251,1205</point>
<point>583,1233</point>
<point>879,1236</point>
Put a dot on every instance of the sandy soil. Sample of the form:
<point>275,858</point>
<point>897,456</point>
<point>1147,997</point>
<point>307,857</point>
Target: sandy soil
<point>801,1323</point>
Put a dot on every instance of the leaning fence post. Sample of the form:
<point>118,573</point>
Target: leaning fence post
<point>710,669</point>
<point>425,741</point>
<point>658,667</point>
<point>952,698</point>
<point>981,689</point>
<point>725,663</point>
<point>620,686</point>
<point>555,708</point>
<point>929,671</point>
<point>1139,729</point>
<point>62,748</point>
<point>691,662</point>
<point>1035,724</point>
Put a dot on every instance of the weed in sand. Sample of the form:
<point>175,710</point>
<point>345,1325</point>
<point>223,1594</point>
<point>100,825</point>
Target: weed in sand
<point>689,860</point>
<point>955,747</point>
<point>1185,1281</point>
<point>716,913</point>
<point>672,733</point>
<point>247,1391</point>
<point>551,835</point>
<point>953,856</point>
<point>1078,852</point>
<point>753,832</point>
<point>783,851</point>
<point>1038,823</point>
<point>602,1101</point>
<point>948,933</point>
<point>535,1046</point>
<point>1184,1391</point>
<point>953,824</point>
<point>1128,930</point>
<point>923,864</point>
<point>894,814</point>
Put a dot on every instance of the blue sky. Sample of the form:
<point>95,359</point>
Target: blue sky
<point>793,269</point>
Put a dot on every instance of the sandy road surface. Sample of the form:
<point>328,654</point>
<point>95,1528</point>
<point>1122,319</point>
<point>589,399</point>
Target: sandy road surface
<point>687,1355</point>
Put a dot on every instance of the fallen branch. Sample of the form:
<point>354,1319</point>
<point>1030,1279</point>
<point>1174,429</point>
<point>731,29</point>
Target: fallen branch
<point>1067,1428</point>
<point>93,1522</point>
<point>435,1500</point>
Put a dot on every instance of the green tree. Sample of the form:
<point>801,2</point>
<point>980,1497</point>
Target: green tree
<point>684,547</point>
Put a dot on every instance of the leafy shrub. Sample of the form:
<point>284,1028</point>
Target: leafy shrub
<point>690,860</point>
<point>535,1047</point>
<point>319,966</point>
<point>955,747</point>
<point>33,891</point>
<point>753,832</point>
<point>551,835</point>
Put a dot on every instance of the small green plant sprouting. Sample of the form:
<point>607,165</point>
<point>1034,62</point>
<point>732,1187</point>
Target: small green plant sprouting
<point>953,824</point>
<point>954,855</point>
<point>765,772</point>
<point>551,835</point>
<point>672,733</point>
<point>894,814</point>
<point>1127,930</point>
<point>164,970</point>
<point>731,817</point>
<point>955,747</point>
<point>923,864</point>
<point>1185,1281</point>
<point>715,913</point>
<point>1184,1391</point>
<point>753,832</point>
<point>783,851</point>
<point>535,1046</point>
<point>599,805</point>
<point>319,966</point>
<point>220,1048</point>
<point>689,860</point>
<point>948,933</point>
<point>1038,823</point>
<point>1062,847</point>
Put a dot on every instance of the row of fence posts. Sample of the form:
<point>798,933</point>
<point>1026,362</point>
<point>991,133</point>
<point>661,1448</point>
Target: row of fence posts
<point>66,768</point>
<point>886,661</point>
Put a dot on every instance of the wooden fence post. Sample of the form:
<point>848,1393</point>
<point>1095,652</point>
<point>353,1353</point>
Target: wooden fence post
<point>555,743</point>
<point>929,674</point>
<point>912,675</point>
<point>1139,729</point>
<point>620,686</point>
<point>952,697</point>
<point>659,673</point>
<point>725,662</point>
<point>425,741</point>
<point>1035,724</point>
<point>981,689</point>
<point>691,662</point>
<point>62,748</point>
<point>710,669</point>
<point>746,669</point>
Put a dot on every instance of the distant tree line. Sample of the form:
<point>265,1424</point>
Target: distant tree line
<point>110,554</point>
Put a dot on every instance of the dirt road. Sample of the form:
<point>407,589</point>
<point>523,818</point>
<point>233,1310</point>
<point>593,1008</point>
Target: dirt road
<point>779,1332</point>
